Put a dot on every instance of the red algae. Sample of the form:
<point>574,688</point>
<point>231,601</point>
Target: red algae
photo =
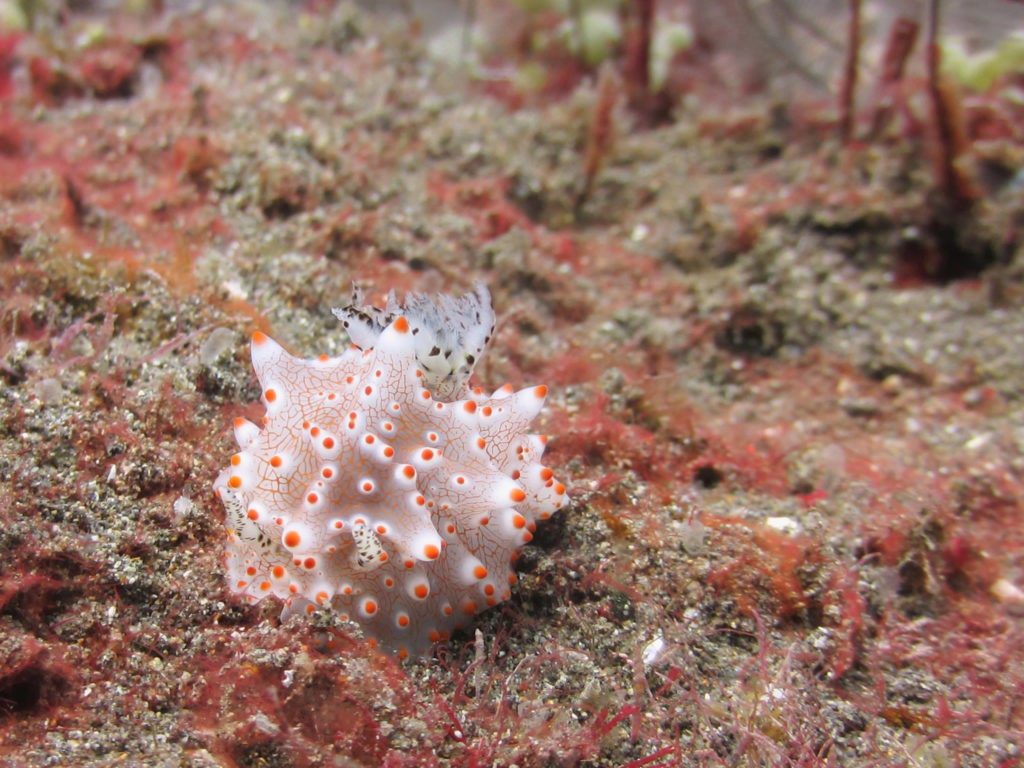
<point>784,387</point>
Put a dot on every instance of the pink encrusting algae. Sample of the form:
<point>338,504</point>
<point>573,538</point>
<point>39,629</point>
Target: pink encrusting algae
<point>380,483</point>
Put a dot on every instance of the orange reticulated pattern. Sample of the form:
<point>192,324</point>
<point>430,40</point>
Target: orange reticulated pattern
<point>363,492</point>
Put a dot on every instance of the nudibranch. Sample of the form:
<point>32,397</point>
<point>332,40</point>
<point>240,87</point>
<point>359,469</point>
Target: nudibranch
<point>380,484</point>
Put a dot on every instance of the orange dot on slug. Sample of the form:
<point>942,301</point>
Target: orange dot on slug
<point>401,325</point>
<point>431,552</point>
<point>271,395</point>
<point>517,495</point>
<point>421,591</point>
<point>292,539</point>
<point>480,572</point>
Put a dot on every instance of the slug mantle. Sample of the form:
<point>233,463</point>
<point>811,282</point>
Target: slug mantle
<point>380,484</point>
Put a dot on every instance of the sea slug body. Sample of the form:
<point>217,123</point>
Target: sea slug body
<point>380,484</point>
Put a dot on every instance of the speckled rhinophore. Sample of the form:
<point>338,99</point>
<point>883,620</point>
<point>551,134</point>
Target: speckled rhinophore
<point>365,492</point>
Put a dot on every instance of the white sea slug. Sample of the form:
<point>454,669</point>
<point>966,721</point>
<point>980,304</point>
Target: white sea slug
<point>380,484</point>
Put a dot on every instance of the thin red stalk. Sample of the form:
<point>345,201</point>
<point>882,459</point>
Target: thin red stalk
<point>600,131</point>
<point>848,89</point>
<point>898,47</point>
<point>636,67</point>
<point>949,133</point>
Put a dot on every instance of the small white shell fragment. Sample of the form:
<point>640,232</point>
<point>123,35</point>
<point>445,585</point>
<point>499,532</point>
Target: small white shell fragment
<point>654,651</point>
<point>787,525</point>
<point>1006,591</point>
